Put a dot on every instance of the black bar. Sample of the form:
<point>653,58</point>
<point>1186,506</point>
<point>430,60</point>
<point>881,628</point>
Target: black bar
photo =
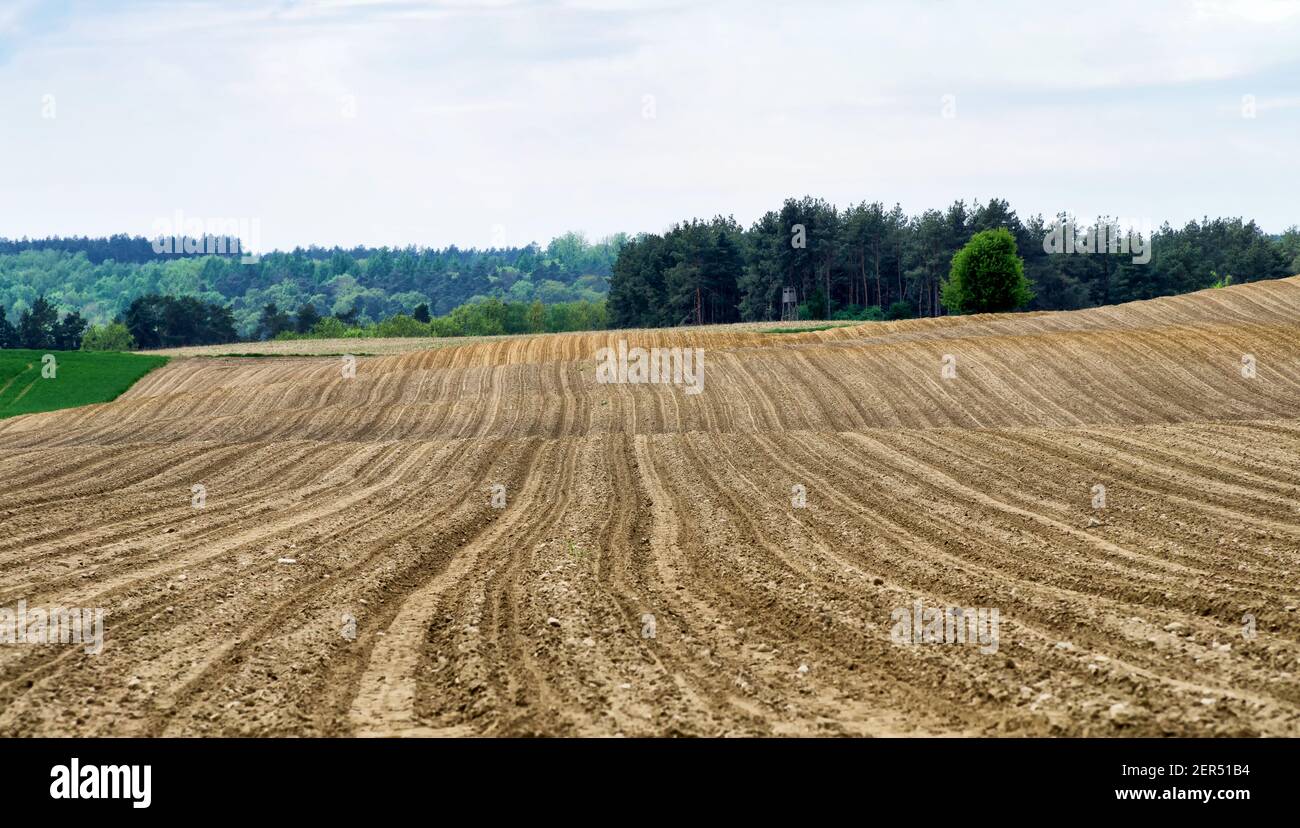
<point>614,780</point>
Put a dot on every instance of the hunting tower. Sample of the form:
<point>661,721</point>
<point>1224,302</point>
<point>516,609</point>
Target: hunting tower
<point>789,304</point>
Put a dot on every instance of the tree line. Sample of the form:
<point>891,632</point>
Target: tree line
<point>863,262</point>
<point>121,247</point>
<point>487,317</point>
<point>40,328</point>
<point>101,277</point>
<point>149,322</point>
<point>156,321</point>
<point>873,262</point>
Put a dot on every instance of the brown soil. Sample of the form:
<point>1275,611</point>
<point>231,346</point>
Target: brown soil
<point>631,500</point>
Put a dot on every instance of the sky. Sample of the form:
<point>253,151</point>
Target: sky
<point>478,124</point>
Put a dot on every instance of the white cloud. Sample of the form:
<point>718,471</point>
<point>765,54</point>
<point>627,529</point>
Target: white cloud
<point>408,122</point>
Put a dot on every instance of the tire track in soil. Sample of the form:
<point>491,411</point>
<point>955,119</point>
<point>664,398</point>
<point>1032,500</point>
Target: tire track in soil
<point>635,499</point>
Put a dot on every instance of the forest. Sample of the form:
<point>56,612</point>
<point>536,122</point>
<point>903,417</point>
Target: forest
<point>873,262</point>
<point>100,278</point>
<point>862,262</point>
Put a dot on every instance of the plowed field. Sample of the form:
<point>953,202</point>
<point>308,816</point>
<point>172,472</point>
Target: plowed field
<point>650,572</point>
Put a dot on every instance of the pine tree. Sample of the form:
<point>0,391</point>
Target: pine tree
<point>38,325</point>
<point>8,334</point>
